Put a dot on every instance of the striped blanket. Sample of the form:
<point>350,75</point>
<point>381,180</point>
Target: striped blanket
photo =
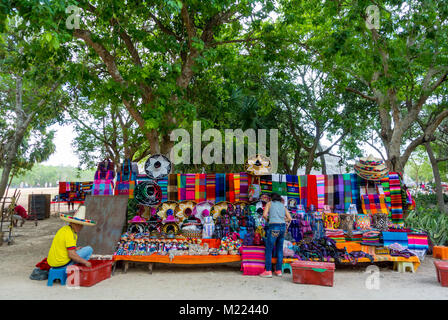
<point>347,190</point>
<point>252,260</point>
<point>266,184</point>
<point>303,190</point>
<point>329,191</point>
<point>320,180</point>
<point>172,187</point>
<point>292,187</point>
<point>339,193</point>
<point>190,186</point>
<point>163,184</point>
<point>200,187</point>
<point>220,191</point>
<point>244,186</point>
<point>396,202</point>
<point>312,191</point>
<point>210,187</point>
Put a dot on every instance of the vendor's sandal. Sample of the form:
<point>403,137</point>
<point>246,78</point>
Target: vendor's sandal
<point>266,274</point>
<point>278,273</point>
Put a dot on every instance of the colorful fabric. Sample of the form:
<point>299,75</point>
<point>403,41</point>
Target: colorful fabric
<point>362,221</point>
<point>104,175</point>
<point>329,191</point>
<point>312,191</point>
<point>386,189</point>
<point>210,189</point>
<point>244,186</point>
<point>220,187</point>
<point>292,187</point>
<point>252,260</point>
<point>320,180</point>
<point>190,186</point>
<point>331,221</point>
<point>181,187</point>
<point>103,187</point>
<point>373,204</point>
<point>396,202</point>
<point>347,191</point>
<point>172,187</point>
<point>64,240</point>
<point>236,185</point>
<point>303,182</point>
<point>266,183</point>
<point>163,184</point>
<point>418,241</point>
<point>200,187</point>
<point>230,187</point>
<point>279,184</point>
<point>355,181</point>
<point>125,188</point>
<point>338,193</point>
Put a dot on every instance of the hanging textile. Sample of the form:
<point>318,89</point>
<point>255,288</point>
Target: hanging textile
<point>395,196</point>
<point>220,191</point>
<point>210,189</point>
<point>347,191</point>
<point>163,184</point>
<point>320,181</point>
<point>244,186</point>
<point>266,183</point>
<point>172,187</point>
<point>355,181</point>
<point>292,187</point>
<point>190,185</point>
<point>311,191</point>
<point>386,188</point>
<point>339,193</point>
<point>236,186</point>
<point>230,187</point>
<point>329,191</point>
<point>181,187</point>
<point>303,190</point>
<point>200,187</point>
<point>279,184</point>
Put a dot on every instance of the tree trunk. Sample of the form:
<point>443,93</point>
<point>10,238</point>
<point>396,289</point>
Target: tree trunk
<point>322,160</point>
<point>438,181</point>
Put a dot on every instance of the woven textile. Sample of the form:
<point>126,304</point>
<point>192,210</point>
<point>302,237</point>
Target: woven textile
<point>125,188</point>
<point>172,187</point>
<point>163,184</point>
<point>266,183</point>
<point>220,187</point>
<point>103,187</point>
<point>312,191</point>
<point>320,181</point>
<point>190,186</point>
<point>386,189</point>
<point>244,186</point>
<point>417,241</point>
<point>362,221</point>
<point>292,187</point>
<point>338,193</point>
<point>237,185</point>
<point>395,197</point>
<point>303,182</point>
<point>181,187</point>
<point>279,184</point>
<point>210,188</point>
<point>329,191</point>
<point>355,184</point>
<point>252,260</point>
<point>200,187</point>
<point>230,187</point>
<point>373,204</point>
<point>347,190</point>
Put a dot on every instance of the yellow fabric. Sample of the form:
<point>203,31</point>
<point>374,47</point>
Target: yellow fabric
<point>58,255</point>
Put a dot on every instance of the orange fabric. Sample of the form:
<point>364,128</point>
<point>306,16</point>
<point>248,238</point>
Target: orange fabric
<point>187,259</point>
<point>212,243</point>
<point>351,246</point>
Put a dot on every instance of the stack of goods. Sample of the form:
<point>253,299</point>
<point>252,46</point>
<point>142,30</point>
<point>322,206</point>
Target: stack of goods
<point>371,238</point>
<point>230,246</point>
<point>103,183</point>
<point>336,234</point>
<point>355,236</point>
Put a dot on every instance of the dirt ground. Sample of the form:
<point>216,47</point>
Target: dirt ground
<point>224,282</point>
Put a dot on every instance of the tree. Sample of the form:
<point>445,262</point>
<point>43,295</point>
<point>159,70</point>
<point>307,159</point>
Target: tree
<point>400,64</point>
<point>30,96</point>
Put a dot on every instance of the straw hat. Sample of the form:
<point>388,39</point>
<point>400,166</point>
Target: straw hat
<point>200,208</point>
<point>218,207</point>
<point>371,168</point>
<point>157,166</point>
<point>164,206</point>
<point>258,165</point>
<point>184,209</point>
<point>79,217</point>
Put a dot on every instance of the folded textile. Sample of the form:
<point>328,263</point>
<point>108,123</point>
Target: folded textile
<point>200,187</point>
<point>320,181</point>
<point>417,241</point>
<point>210,187</point>
<point>303,190</point>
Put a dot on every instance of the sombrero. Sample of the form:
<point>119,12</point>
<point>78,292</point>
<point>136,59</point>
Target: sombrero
<point>181,211</point>
<point>137,219</point>
<point>164,206</point>
<point>157,166</point>
<point>200,207</point>
<point>371,168</point>
<point>79,217</point>
<point>216,209</point>
<point>292,203</point>
<point>148,193</point>
<point>258,165</point>
<point>170,218</point>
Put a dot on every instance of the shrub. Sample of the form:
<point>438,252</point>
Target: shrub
<point>431,220</point>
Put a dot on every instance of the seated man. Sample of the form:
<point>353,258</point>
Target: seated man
<point>63,251</point>
<point>20,214</point>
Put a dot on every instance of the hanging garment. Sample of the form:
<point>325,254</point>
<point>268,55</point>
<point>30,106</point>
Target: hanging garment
<point>339,206</point>
<point>220,187</point>
<point>292,187</point>
<point>200,187</point>
<point>311,191</point>
<point>386,189</point>
<point>266,184</point>
<point>320,181</point>
<point>355,183</point>
<point>210,187</point>
<point>237,186</point>
<point>303,190</point>
<point>347,190</point>
<point>396,202</point>
<point>190,185</point>
<point>244,186</point>
<point>172,187</point>
<point>329,191</point>
<point>230,187</point>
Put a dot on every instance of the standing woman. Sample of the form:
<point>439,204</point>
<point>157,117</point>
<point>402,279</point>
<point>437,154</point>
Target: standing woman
<point>277,215</point>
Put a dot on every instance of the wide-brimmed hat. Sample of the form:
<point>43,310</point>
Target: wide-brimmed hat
<point>148,193</point>
<point>79,217</point>
<point>181,211</point>
<point>169,217</point>
<point>218,207</point>
<point>137,219</point>
<point>164,206</point>
<point>371,168</point>
<point>199,209</point>
<point>258,165</point>
<point>157,166</point>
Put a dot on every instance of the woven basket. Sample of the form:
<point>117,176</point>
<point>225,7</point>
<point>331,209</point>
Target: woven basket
<point>191,234</point>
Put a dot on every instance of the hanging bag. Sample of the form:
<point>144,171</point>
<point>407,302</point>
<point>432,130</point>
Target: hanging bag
<point>126,180</point>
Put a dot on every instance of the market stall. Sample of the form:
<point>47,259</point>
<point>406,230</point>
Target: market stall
<point>211,217</point>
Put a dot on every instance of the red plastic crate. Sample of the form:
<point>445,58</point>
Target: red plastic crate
<point>310,272</point>
<point>442,272</point>
<point>100,270</point>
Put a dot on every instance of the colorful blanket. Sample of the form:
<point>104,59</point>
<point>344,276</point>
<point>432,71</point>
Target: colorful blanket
<point>303,190</point>
<point>163,184</point>
<point>181,187</point>
<point>237,185</point>
<point>266,183</point>
<point>312,191</point>
<point>210,187</point>
<point>347,191</point>
<point>339,206</point>
<point>220,191</point>
<point>230,187</point>
<point>329,191</point>
<point>200,187</point>
<point>396,202</point>
<point>244,186</point>
<point>172,187</point>
<point>252,260</point>
<point>292,187</point>
<point>320,180</point>
<point>355,185</point>
<point>386,188</point>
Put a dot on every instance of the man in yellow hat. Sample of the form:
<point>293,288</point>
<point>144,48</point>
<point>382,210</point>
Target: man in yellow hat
<point>63,251</point>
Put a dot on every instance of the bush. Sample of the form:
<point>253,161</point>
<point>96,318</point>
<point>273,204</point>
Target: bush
<point>431,220</point>
<point>428,200</point>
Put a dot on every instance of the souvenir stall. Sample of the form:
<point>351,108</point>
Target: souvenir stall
<point>217,217</point>
<point>71,193</point>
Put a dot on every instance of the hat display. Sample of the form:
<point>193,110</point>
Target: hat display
<point>371,168</point>
<point>137,219</point>
<point>169,217</point>
<point>164,206</point>
<point>79,217</point>
<point>148,193</point>
<point>181,211</point>
<point>157,166</point>
<point>200,208</point>
<point>218,207</point>
<point>258,165</point>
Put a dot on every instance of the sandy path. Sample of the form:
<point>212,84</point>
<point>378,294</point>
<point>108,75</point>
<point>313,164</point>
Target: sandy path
<point>197,282</point>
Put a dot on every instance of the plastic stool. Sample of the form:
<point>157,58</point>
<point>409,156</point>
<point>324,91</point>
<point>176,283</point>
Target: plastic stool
<point>286,266</point>
<point>402,266</point>
<point>57,273</point>
<point>440,252</point>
